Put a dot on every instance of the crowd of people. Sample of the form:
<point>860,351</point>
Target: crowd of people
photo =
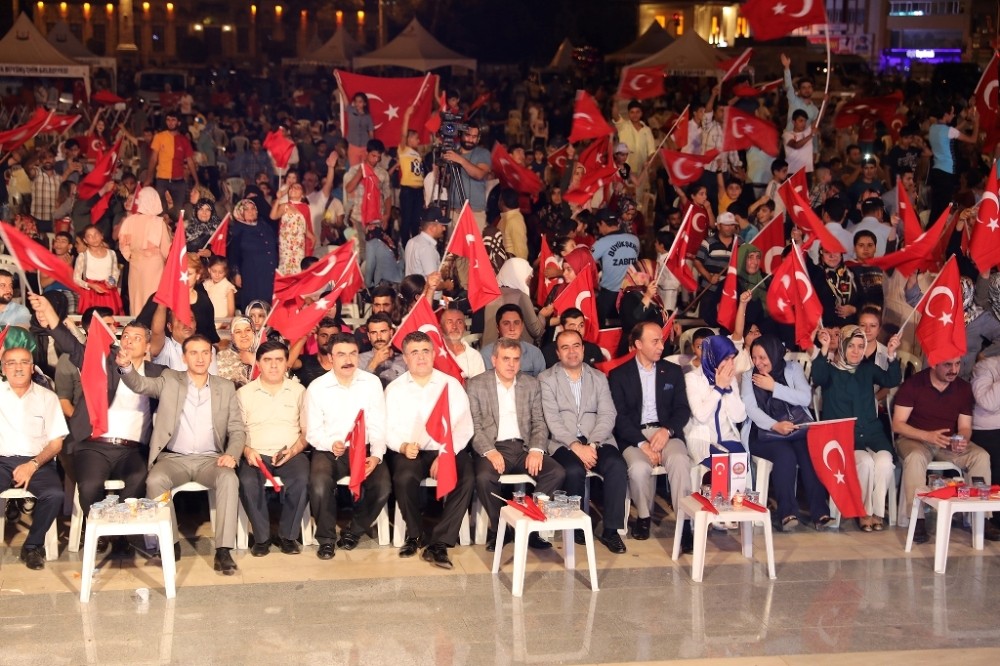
<point>538,394</point>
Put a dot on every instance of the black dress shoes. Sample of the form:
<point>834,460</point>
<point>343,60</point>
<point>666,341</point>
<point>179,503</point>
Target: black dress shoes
<point>260,549</point>
<point>437,554</point>
<point>224,562</point>
<point>687,539</point>
<point>33,558</point>
<point>410,547</point>
<point>579,538</point>
<point>640,530</point>
<point>348,541</point>
<point>325,552</point>
<point>290,546</point>
<point>613,541</point>
<point>177,551</point>
<point>537,542</point>
<point>491,540</point>
<point>920,532</point>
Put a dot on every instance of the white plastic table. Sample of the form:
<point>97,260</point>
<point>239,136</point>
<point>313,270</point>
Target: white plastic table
<point>947,508</point>
<point>747,518</point>
<point>523,526</point>
<point>160,525</point>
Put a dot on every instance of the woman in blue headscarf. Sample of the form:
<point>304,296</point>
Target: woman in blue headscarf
<point>716,408</point>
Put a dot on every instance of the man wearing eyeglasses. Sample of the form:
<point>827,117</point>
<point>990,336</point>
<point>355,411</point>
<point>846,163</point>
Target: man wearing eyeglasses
<point>32,429</point>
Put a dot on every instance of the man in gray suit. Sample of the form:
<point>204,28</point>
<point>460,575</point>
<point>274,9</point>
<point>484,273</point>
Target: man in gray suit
<point>510,434</point>
<point>184,447</point>
<point>581,414</point>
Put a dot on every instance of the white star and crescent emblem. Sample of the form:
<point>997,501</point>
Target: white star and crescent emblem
<point>392,112</point>
<point>945,316</point>
<point>834,445</point>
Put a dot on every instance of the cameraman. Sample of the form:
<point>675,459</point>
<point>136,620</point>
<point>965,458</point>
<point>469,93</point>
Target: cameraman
<point>474,163</point>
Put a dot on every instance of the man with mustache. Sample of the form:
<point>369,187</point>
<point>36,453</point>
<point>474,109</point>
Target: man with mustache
<point>382,361</point>
<point>332,405</point>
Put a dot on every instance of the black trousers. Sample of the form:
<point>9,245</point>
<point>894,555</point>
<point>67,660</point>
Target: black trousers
<point>607,305</point>
<point>549,479</point>
<point>325,471</point>
<point>406,477</point>
<point>47,488</point>
<point>96,462</point>
<point>990,440</point>
<point>708,306</point>
<point>294,497</point>
<point>610,465</point>
<point>943,188</point>
<point>411,205</point>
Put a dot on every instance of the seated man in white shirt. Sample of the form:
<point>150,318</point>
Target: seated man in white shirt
<point>32,428</point>
<point>413,397</point>
<point>453,329</point>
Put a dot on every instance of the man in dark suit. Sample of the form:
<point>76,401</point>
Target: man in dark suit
<point>651,401</point>
<point>510,433</point>
<point>198,436</point>
<point>580,415</point>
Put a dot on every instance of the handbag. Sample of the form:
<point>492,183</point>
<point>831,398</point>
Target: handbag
<point>780,410</point>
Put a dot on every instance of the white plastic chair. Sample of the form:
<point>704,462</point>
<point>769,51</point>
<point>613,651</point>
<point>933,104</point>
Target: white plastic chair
<point>243,524</point>
<point>194,487</point>
<point>51,537</point>
<point>399,525</point>
<point>804,359</point>
<point>684,345</point>
<point>76,518</point>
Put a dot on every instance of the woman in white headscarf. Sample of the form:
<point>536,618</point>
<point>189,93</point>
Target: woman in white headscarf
<point>513,278</point>
<point>144,241</point>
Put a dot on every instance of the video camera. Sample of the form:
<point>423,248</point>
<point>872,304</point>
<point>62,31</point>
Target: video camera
<point>451,131</point>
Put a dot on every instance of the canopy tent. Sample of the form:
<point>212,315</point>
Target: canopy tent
<point>336,52</point>
<point>25,53</point>
<point>66,42</point>
<point>655,39</point>
<point>563,59</point>
<point>689,55</point>
<point>417,49</point>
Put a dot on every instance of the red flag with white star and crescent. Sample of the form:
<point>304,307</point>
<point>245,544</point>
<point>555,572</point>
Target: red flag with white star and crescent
<point>831,449</point>
<point>941,329</point>
<point>175,290</point>
<point>985,246</point>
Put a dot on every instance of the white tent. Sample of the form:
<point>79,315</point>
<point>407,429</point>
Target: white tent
<point>336,52</point>
<point>417,49</point>
<point>25,53</point>
<point>563,59</point>
<point>66,42</point>
<point>652,41</point>
<point>689,55</point>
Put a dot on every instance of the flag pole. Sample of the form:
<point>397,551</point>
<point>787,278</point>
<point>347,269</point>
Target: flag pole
<point>829,71</point>
<point>656,152</point>
<point>766,278</point>
<point>224,220</point>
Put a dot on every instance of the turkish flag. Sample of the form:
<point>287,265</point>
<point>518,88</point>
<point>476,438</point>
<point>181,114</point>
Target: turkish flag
<point>986,96</point>
<point>985,248</point>
<point>15,138</point>
<point>791,299</point>
<point>699,228</point>
<point>641,82</point>
<point>558,159</point>
<point>588,186</point>
<point>770,240</point>
<point>388,99</point>
<point>596,156</point>
<point>371,201</point>
<point>100,207</point>
<point>433,123</point>
<point>941,329</point>
<point>439,429</point>
<point>220,238</point>
<point>295,321</point>
<point>831,449</point>
<point>923,254</point>
<point>316,277</point>
<point>771,19</point>
<point>421,318</point>
<point>32,256</point>
<point>730,293</point>
<point>581,294</point>
<point>720,474</point>
<point>104,169</point>
<point>466,241</point>
<point>800,184</point>
<point>734,66</point>
<point>802,215</point>
<point>94,374</point>
<point>607,366</point>
<point>742,130</point>
<point>911,224</point>
<point>477,104</point>
<point>685,168</point>
<point>608,340</point>
<point>58,123</point>
<point>513,175</point>
<point>857,110</point>
<point>350,282</point>
<point>545,258</point>
<point>357,453</point>
<point>676,261</point>
<point>279,147</point>
<point>681,129</point>
<point>588,121</point>
<point>174,290</point>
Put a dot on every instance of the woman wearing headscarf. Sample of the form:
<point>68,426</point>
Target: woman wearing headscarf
<point>236,362</point>
<point>198,229</point>
<point>513,278</point>
<point>638,300</point>
<point>253,252</point>
<point>750,274</point>
<point>716,407</point>
<point>777,397</point>
<point>576,261</point>
<point>835,288</point>
<point>144,241</point>
<point>847,392</point>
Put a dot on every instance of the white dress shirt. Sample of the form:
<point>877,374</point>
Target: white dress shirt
<point>412,404</point>
<point>469,361</point>
<point>129,416</point>
<point>507,427</point>
<point>29,422</point>
<point>332,407</point>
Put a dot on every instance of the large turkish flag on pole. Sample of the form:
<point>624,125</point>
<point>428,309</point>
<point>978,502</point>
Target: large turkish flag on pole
<point>941,329</point>
<point>388,100</point>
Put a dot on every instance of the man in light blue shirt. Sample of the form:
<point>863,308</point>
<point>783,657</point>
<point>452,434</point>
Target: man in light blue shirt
<point>11,312</point>
<point>615,251</point>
